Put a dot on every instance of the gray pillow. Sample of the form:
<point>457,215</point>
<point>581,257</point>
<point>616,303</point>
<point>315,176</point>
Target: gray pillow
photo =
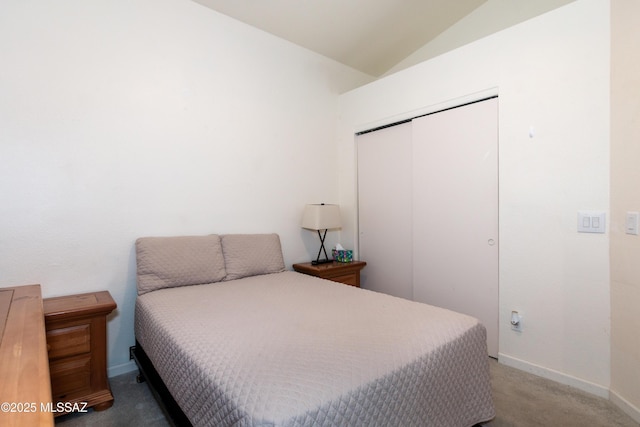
<point>166,262</point>
<point>251,255</point>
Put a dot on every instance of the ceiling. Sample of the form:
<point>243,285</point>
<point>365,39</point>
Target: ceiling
<point>371,35</point>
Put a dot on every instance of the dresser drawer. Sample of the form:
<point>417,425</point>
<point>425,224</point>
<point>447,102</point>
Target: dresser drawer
<point>70,376</point>
<point>69,341</point>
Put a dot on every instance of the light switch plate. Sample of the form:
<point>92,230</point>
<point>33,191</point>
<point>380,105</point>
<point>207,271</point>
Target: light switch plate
<point>631,224</point>
<point>591,221</point>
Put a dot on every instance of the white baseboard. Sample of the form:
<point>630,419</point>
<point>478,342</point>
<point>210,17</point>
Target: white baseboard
<point>114,371</point>
<point>625,406</point>
<point>553,375</point>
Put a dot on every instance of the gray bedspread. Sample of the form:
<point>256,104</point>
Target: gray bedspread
<point>287,349</point>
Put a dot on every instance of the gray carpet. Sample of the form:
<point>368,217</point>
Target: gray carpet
<point>525,400</point>
<point>521,400</point>
<point>133,405</point>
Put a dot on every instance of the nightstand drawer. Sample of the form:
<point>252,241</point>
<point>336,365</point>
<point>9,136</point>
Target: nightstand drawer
<point>70,376</point>
<point>69,341</point>
<point>347,279</point>
<point>341,272</point>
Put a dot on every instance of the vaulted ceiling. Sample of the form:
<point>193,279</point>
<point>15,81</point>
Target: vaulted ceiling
<point>374,35</point>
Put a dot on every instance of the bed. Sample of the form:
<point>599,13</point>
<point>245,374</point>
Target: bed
<point>236,340</point>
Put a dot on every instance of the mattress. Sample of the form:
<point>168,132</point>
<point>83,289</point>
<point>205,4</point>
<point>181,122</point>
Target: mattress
<point>287,349</point>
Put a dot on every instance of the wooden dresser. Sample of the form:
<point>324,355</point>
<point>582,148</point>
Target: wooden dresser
<point>24,368</point>
<point>77,337</point>
<point>343,272</point>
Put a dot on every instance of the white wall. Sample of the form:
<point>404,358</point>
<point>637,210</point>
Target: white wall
<point>551,72</point>
<point>121,119</point>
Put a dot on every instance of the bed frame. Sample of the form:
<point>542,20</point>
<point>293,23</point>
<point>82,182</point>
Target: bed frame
<point>167,403</point>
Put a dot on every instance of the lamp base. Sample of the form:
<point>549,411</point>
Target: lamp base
<point>322,249</point>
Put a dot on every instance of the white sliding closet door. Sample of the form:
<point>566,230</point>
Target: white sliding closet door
<point>384,210</point>
<point>455,212</point>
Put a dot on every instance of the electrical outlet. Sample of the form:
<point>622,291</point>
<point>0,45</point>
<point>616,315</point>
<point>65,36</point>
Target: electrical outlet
<point>132,349</point>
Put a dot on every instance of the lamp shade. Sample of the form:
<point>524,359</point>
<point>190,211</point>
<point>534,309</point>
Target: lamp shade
<point>321,217</point>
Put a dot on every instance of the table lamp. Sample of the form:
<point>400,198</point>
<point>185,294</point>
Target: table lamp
<point>321,217</point>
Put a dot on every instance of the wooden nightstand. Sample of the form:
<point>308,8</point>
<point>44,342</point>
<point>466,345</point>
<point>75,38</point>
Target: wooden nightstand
<point>76,328</point>
<point>343,272</point>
